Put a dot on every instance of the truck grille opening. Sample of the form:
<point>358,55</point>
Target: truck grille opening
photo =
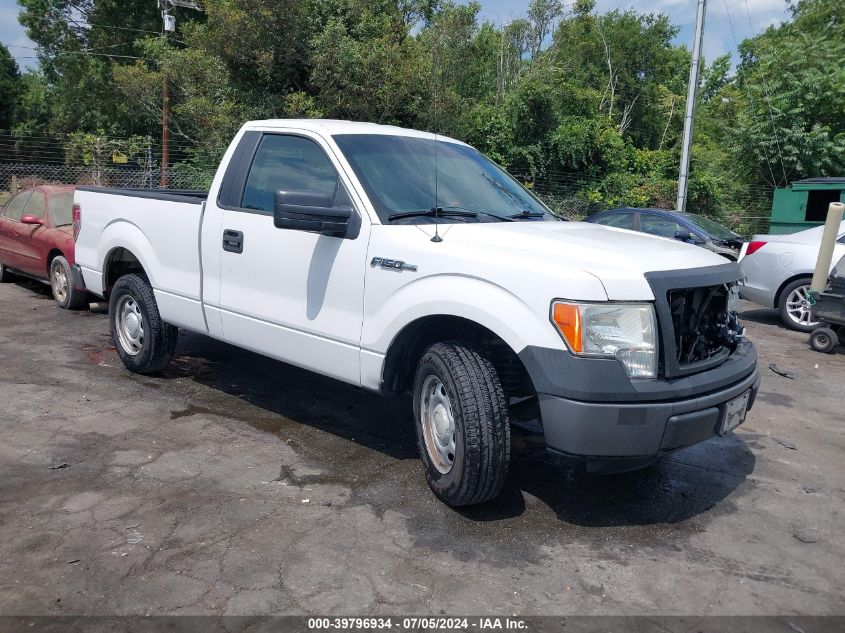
<point>702,325</point>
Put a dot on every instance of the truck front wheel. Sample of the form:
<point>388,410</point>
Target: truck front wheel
<point>144,342</point>
<point>462,425</point>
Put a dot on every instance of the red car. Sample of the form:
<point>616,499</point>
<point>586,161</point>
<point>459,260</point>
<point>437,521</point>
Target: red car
<point>37,240</point>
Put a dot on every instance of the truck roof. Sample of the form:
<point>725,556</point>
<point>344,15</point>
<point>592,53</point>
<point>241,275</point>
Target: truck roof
<point>334,127</point>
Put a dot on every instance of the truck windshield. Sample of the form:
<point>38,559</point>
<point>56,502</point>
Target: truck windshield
<point>398,174</point>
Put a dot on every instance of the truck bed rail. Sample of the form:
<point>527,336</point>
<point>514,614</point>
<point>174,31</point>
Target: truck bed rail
<point>189,196</point>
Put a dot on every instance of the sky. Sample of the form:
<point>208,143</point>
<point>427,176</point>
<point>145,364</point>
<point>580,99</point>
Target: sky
<point>718,36</point>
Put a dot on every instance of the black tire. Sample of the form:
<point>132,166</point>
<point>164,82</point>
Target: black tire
<point>63,284</point>
<point>824,340</point>
<point>481,427</point>
<point>157,343</point>
<point>785,317</point>
<point>5,275</point>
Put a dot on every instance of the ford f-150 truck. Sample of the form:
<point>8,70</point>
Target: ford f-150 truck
<point>403,262</point>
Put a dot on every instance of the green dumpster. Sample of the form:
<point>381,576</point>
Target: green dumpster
<point>803,204</point>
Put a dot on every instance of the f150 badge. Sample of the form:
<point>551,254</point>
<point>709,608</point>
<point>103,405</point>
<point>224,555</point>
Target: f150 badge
<point>392,264</point>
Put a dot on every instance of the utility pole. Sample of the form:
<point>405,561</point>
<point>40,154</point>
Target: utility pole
<point>168,26</point>
<point>692,91</point>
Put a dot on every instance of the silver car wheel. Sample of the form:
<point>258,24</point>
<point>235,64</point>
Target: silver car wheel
<point>58,281</point>
<point>799,308</point>
<point>130,325</point>
<point>438,424</point>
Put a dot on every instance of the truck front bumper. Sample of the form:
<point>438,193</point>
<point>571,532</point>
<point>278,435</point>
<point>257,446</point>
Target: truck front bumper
<point>600,429</point>
<point>636,420</point>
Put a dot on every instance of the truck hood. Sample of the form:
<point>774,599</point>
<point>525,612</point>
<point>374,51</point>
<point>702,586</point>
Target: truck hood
<point>617,257</point>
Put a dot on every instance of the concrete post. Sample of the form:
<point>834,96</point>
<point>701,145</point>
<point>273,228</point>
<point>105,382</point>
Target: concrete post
<point>831,231</point>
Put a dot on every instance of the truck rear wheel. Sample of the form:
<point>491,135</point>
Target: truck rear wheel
<point>144,342</point>
<point>462,425</point>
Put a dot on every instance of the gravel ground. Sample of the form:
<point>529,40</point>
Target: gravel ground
<point>233,484</point>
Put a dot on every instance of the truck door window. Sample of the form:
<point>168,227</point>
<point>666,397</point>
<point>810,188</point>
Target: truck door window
<point>14,209</point>
<point>289,163</point>
<point>657,225</point>
<point>36,205</point>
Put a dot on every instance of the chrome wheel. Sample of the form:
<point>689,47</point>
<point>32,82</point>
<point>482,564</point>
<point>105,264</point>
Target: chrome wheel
<point>58,280</point>
<point>438,424</point>
<point>799,308</point>
<point>130,325</point>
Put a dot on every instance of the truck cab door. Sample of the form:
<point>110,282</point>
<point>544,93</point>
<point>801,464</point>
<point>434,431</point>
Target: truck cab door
<point>289,294</point>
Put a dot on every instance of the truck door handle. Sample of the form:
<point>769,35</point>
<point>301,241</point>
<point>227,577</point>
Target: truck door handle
<point>233,241</point>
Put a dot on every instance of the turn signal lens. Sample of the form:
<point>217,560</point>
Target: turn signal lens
<point>567,317</point>
<point>625,331</point>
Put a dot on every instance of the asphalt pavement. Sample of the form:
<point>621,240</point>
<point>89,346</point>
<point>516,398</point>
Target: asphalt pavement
<point>234,484</point>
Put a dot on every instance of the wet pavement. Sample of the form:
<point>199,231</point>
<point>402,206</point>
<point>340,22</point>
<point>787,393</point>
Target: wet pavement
<point>233,484</point>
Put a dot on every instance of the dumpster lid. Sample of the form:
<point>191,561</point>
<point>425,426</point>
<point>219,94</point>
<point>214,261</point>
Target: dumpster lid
<point>827,180</point>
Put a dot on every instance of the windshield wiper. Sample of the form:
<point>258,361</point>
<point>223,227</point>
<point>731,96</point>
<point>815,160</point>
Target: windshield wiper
<point>443,212</point>
<point>524,215</point>
<point>435,212</point>
<point>484,213</point>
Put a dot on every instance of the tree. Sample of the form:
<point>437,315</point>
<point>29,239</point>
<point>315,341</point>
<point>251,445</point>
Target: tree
<point>32,108</point>
<point>790,122</point>
<point>541,14</point>
<point>9,87</point>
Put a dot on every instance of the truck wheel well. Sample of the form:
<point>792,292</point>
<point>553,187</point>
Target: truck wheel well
<point>400,364</point>
<point>787,282</point>
<point>53,254</point>
<point>119,262</point>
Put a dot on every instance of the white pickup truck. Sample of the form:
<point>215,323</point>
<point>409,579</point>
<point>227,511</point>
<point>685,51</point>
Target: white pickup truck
<point>399,262</point>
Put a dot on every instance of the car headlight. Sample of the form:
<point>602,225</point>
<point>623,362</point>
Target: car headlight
<point>626,331</point>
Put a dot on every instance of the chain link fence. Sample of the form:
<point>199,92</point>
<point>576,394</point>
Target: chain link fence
<point>746,210</point>
<point>17,176</point>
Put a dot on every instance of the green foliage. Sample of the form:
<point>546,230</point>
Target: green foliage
<point>591,114</point>
<point>99,149</point>
<point>10,87</point>
<point>792,81</point>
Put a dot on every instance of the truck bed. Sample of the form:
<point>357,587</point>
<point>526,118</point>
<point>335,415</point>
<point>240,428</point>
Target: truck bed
<point>163,229</point>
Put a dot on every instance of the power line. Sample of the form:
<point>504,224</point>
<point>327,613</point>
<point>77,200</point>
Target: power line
<point>768,102</point>
<point>120,28</point>
<point>748,93</point>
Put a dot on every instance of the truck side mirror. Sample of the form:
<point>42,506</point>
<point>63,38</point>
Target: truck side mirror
<point>311,212</point>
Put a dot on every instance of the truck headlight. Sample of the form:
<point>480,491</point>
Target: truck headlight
<point>626,331</point>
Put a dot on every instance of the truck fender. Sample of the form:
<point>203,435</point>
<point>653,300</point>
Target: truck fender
<point>124,234</point>
<point>473,299</point>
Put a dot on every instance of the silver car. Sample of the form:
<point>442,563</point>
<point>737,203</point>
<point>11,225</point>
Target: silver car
<point>778,270</point>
